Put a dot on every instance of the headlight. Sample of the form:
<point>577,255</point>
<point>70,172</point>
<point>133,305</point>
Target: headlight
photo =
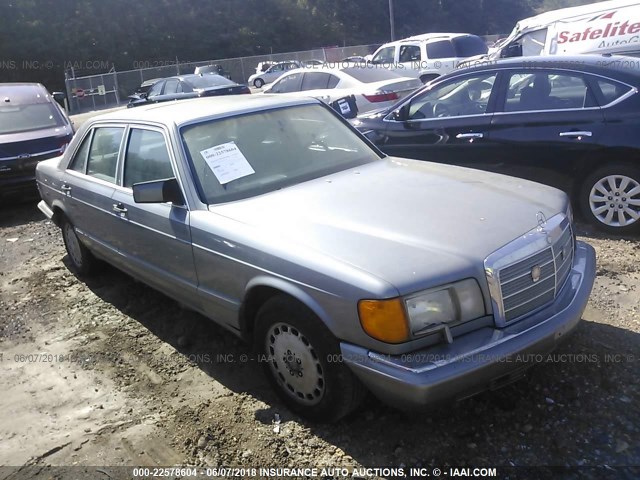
<point>453,303</point>
<point>396,320</point>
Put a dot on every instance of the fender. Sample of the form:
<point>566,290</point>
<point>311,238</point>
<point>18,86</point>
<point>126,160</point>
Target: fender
<point>292,289</point>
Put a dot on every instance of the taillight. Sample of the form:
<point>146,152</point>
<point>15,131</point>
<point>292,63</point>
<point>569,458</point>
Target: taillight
<point>381,97</point>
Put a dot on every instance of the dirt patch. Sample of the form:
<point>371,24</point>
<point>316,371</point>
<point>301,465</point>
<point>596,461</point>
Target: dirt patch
<point>106,371</point>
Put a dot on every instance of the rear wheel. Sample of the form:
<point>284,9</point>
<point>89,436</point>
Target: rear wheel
<point>610,199</point>
<point>301,359</point>
<point>82,260</point>
<point>258,83</point>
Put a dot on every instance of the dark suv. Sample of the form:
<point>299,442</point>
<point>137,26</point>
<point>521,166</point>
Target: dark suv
<point>33,128</point>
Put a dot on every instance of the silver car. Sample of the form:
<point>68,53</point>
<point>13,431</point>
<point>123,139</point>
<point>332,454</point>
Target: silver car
<point>348,270</point>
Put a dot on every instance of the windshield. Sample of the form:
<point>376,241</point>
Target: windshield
<point>23,118</point>
<point>251,154</point>
<point>208,80</point>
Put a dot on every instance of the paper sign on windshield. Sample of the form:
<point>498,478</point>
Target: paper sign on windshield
<point>227,162</point>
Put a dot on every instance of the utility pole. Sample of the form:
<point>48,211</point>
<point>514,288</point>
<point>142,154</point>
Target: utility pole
<point>392,21</point>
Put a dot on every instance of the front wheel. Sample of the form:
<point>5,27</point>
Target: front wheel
<point>258,83</point>
<point>82,260</point>
<point>301,359</point>
<point>610,199</point>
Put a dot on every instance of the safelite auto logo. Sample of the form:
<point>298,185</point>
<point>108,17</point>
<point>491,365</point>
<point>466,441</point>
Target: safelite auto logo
<point>611,29</point>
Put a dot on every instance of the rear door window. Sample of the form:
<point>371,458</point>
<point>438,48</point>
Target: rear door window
<point>409,53</point>
<point>315,81</point>
<point>547,91</point>
<point>441,49</point>
<point>171,86</point>
<point>103,155</point>
<point>610,91</point>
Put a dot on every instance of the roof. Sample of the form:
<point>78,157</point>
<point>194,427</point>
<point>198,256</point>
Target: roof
<point>623,65</point>
<point>434,36</point>
<point>572,12</point>
<point>23,93</point>
<point>184,111</point>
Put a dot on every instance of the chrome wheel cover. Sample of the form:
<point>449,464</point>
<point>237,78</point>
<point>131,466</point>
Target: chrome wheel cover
<point>295,364</point>
<point>73,244</point>
<point>615,200</point>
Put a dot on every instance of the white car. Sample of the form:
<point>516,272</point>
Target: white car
<point>372,88</point>
<point>258,80</point>
<point>429,55</point>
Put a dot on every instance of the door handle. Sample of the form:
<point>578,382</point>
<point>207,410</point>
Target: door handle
<point>576,134</point>
<point>119,208</point>
<point>469,135</point>
<point>65,188</point>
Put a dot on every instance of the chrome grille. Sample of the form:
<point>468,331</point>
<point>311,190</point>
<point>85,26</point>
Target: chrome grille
<point>528,273</point>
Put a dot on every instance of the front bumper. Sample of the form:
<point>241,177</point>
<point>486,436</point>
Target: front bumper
<point>483,359</point>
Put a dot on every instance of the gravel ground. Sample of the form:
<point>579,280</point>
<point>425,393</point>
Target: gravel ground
<point>106,371</point>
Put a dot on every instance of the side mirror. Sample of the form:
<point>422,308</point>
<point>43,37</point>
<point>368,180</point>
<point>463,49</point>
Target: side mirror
<point>513,50</point>
<point>401,114</point>
<point>158,191</point>
<point>59,96</point>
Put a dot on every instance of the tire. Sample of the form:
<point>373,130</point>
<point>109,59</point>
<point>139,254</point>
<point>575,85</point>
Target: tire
<point>610,199</point>
<point>301,359</point>
<point>82,260</point>
<point>258,83</point>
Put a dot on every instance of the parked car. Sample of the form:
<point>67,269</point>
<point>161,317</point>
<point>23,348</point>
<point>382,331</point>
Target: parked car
<point>354,59</point>
<point>312,63</point>
<point>33,127</point>
<point>264,66</point>
<point>572,124</point>
<point>146,85</point>
<point>372,88</point>
<point>347,269</point>
<point>215,69</point>
<point>430,55</point>
<point>188,86</point>
<point>258,80</point>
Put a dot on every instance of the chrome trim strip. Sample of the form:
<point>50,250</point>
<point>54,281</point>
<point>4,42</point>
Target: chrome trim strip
<point>30,155</point>
<point>532,299</point>
<point>525,274</point>
<point>522,248</point>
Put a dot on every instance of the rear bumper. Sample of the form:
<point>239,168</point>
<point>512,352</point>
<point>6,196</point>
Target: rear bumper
<point>480,360</point>
<point>18,184</point>
<point>44,208</point>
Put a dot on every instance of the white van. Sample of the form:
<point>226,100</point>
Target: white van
<point>428,56</point>
<point>605,27</point>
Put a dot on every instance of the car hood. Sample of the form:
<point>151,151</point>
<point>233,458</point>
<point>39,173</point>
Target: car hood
<point>410,223</point>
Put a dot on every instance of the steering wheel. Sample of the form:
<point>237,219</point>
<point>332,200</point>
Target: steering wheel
<point>440,110</point>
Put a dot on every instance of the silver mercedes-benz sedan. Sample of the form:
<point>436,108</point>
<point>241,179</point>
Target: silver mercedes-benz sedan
<point>348,270</point>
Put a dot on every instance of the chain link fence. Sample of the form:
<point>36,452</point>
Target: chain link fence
<point>110,90</point>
